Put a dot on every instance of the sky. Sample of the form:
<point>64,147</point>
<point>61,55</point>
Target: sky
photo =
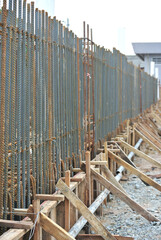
<point>115,23</point>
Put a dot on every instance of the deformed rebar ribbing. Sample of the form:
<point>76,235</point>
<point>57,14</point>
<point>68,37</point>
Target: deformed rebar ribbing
<point>33,90</point>
<point>7,96</point>
<point>40,105</point>
<point>2,116</point>
<point>13,103</point>
<point>37,97</point>
<point>19,91</point>
<point>44,92</point>
<point>24,106</point>
<point>28,82</point>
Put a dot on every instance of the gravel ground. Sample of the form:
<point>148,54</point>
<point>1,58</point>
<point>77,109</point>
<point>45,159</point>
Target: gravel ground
<point>121,220</point>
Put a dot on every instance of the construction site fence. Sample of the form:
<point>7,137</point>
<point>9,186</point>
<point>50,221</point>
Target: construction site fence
<point>59,95</point>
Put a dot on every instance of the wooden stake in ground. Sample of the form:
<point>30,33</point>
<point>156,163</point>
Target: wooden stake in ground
<point>91,218</point>
<point>124,197</point>
<point>88,179</point>
<point>106,153</point>
<point>67,203</point>
<point>38,230</point>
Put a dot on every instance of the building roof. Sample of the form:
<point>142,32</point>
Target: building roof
<point>146,48</point>
<point>135,60</point>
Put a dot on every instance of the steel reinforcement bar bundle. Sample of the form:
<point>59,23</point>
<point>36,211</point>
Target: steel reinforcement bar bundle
<point>59,95</point>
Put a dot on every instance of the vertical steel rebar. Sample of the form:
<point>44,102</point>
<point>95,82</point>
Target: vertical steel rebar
<point>32,90</point>
<point>19,91</point>
<point>13,103</point>
<point>28,90</point>
<point>7,96</point>
<point>37,97</point>
<point>2,116</point>
<point>24,107</point>
<point>40,105</point>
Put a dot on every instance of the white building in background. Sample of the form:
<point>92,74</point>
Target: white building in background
<point>148,57</point>
<point>47,5</point>
<point>150,54</point>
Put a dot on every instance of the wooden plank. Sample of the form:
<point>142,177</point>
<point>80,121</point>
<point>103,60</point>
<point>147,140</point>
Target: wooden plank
<point>38,230</point>
<point>140,154</point>
<point>16,224</point>
<point>73,179</point>
<point>133,136</point>
<point>88,179</point>
<point>50,226</point>
<point>98,237</point>
<point>91,218</point>
<point>156,117</point>
<point>53,218</point>
<point>13,234</point>
<point>106,154</point>
<point>124,156</point>
<point>76,170</point>
<point>124,197</point>
<point>111,178</point>
<point>149,141</point>
<point>135,171</point>
<point>97,162</point>
<point>113,150</point>
<point>67,203</point>
<point>51,197</point>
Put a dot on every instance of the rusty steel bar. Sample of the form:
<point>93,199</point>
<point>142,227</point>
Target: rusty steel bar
<point>2,115</point>
<point>13,104</point>
<point>7,107</point>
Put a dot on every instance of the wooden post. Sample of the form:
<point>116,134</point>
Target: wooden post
<point>88,179</point>
<point>88,184</point>
<point>38,229</point>
<point>106,153</point>
<point>126,151</point>
<point>53,218</point>
<point>133,135</point>
<point>67,203</point>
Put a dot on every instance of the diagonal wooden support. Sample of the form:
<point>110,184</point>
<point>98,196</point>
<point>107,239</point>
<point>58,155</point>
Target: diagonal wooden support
<point>91,218</point>
<point>124,197</point>
<point>149,141</point>
<point>50,226</point>
<point>140,154</point>
<point>98,237</point>
<point>127,159</point>
<point>124,156</point>
<point>135,171</point>
<point>110,177</point>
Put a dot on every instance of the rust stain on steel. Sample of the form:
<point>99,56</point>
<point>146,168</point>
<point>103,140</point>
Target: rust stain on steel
<point>85,106</point>
<point>2,117</point>
<point>93,97</point>
<point>79,120</point>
